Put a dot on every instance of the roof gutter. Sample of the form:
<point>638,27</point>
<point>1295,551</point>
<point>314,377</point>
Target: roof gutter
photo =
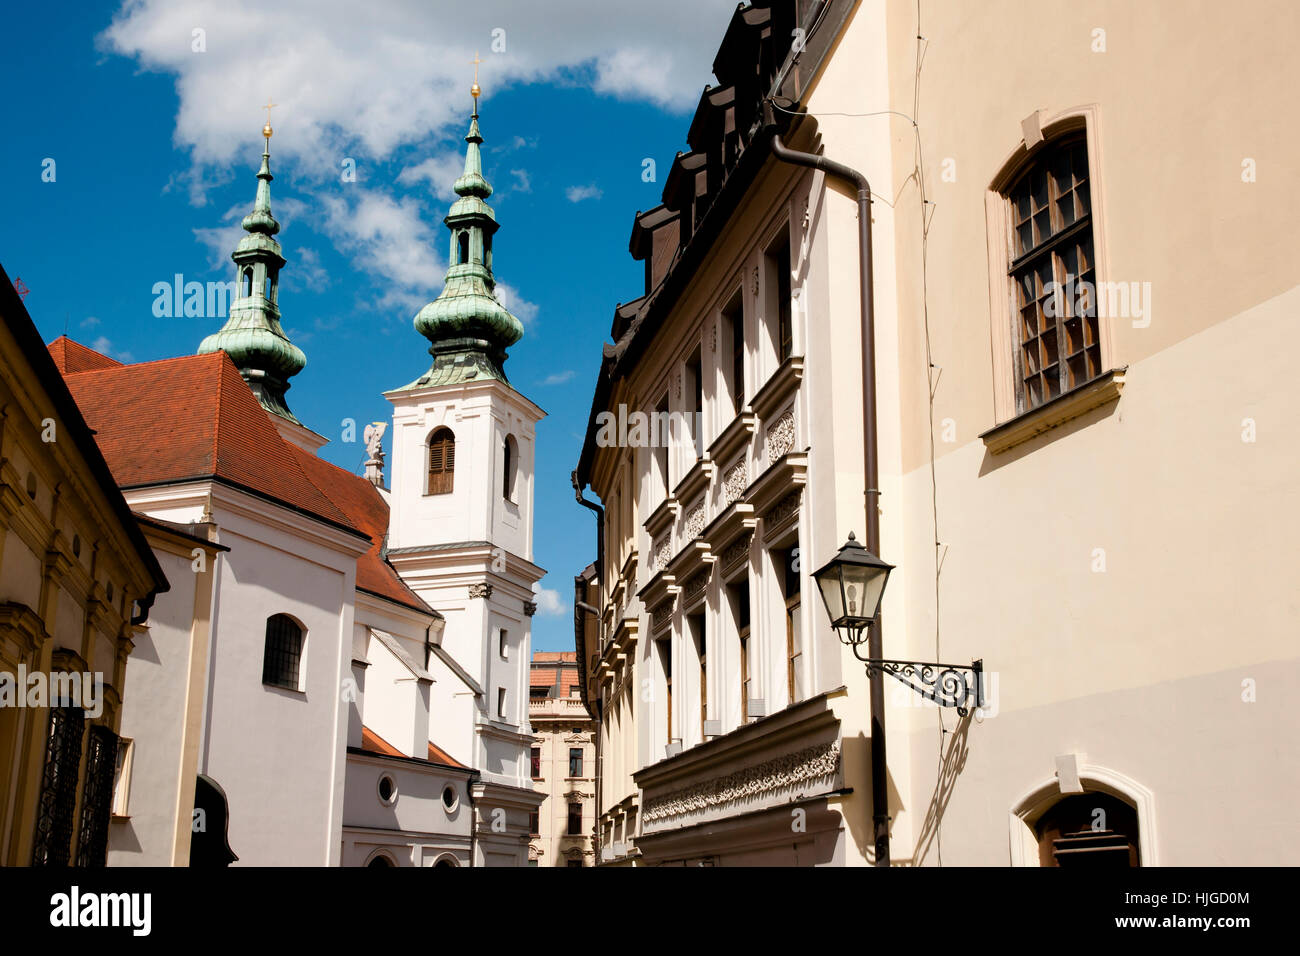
<point>870,455</point>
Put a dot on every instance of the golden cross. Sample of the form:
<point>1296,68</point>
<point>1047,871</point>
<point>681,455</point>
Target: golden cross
<point>474,90</point>
<point>268,107</point>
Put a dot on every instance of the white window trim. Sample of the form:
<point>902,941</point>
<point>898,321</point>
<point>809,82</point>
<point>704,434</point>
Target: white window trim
<point>1026,811</point>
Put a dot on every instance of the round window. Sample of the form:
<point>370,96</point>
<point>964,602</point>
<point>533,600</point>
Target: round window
<point>387,789</point>
<point>449,798</point>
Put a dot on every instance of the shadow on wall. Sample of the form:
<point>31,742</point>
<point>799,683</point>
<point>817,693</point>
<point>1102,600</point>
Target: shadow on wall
<point>857,774</point>
<point>954,761</point>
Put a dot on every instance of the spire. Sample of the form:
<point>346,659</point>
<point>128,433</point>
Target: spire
<point>252,335</point>
<point>469,330</point>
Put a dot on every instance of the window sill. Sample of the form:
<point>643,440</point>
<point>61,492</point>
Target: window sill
<point>1061,409</point>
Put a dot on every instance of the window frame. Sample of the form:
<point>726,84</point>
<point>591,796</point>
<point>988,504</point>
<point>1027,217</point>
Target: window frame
<point>1003,308</point>
<point>299,656</point>
<point>447,472</point>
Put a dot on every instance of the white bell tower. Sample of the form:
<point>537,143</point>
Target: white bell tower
<point>461,522</point>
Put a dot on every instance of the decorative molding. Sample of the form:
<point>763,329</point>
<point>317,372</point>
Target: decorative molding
<point>695,584</point>
<point>663,551</point>
<point>480,591</point>
<point>1100,391</point>
<point>736,552</point>
<point>820,763</point>
<point>530,608</point>
<point>661,615</point>
<point>780,436</point>
<point>755,292</point>
<point>694,523</point>
<point>734,481</point>
<point>782,510</point>
<point>713,342</point>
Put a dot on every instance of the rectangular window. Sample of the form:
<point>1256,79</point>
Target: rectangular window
<point>696,625</point>
<point>534,823</point>
<point>666,663</point>
<point>501,703</point>
<point>790,592</point>
<point>282,654</point>
<point>739,594</point>
<point>778,294</point>
<point>503,644</point>
<point>1053,274</point>
<point>122,776</point>
<point>537,763</point>
<point>661,437</point>
<point>575,761</point>
<point>733,319</point>
<point>575,819</point>
<point>695,385</point>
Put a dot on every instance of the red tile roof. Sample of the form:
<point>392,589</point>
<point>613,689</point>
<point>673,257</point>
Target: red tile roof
<point>191,418</point>
<point>366,508</point>
<point>563,662</point>
<point>72,357</point>
<point>373,743</point>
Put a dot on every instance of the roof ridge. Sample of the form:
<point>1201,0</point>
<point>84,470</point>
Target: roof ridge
<point>118,366</point>
<point>216,418</point>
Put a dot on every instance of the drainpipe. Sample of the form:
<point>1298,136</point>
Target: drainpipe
<point>870,464</point>
<point>600,524</point>
<point>583,606</point>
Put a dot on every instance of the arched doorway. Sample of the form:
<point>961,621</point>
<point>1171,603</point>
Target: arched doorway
<point>1094,830</point>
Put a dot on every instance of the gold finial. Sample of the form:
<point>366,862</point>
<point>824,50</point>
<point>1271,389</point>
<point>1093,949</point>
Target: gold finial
<point>474,90</point>
<point>266,130</point>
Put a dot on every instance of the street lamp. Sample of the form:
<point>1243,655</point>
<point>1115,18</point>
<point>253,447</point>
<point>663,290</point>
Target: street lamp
<point>852,585</point>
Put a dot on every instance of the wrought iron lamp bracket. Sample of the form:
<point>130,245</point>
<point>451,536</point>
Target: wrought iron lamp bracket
<point>948,685</point>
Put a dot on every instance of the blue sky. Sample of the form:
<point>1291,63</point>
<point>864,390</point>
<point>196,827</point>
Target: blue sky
<point>151,116</point>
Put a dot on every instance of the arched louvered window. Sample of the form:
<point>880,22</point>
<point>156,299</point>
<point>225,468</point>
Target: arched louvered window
<point>442,462</point>
<point>248,282</point>
<point>283,655</point>
<point>462,241</point>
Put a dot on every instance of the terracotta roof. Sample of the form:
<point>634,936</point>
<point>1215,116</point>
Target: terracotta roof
<point>71,357</point>
<point>548,666</point>
<point>438,755</point>
<point>366,508</point>
<point>191,418</point>
<point>373,743</point>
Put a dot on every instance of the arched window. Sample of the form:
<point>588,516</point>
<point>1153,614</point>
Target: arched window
<point>487,249</point>
<point>1057,342</point>
<point>510,471</point>
<point>1093,830</point>
<point>442,462</point>
<point>248,282</point>
<point>283,654</point>
<point>462,244</point>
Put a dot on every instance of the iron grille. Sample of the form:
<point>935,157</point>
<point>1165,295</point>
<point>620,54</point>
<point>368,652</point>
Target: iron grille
<point>283,652</point>
<point>59,787</point>
<point>97,797</point>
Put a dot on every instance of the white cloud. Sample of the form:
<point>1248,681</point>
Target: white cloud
<point>579,193</point>
<point>391,237</point>
<point>524,311</point>
<point>104,347</point>
<point>558,378</point>
<point>440,172</point>
<point>89,322</point>
<point>523,183</point>
<point>221,240</point>
<point>548,602</point>
<point>369,79</point>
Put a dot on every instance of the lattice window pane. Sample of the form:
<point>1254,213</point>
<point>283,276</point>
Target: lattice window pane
<point>280,664</point>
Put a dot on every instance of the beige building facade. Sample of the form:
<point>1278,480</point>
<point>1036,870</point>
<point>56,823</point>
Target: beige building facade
<point>1080,285</point>
<point>563,764</point>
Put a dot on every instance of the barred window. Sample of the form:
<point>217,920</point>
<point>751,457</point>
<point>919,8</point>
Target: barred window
<point>280,663</point>
<point>442,462</point>
<point>1058,347</point>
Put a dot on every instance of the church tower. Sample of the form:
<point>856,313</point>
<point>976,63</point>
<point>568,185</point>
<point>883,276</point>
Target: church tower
<point>461,520</point>
<point>252,335</point>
